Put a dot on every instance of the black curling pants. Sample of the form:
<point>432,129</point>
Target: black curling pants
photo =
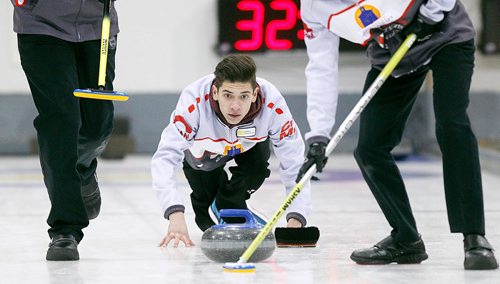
<point>381,127</point>
<point>71,132</point>
<point>247,176</point>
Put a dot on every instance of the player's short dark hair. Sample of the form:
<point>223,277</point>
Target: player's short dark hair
<point>236,68</point>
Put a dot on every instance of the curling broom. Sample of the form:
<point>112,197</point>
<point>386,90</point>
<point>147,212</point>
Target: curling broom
<point>242,265</point>
<point>101,93</point>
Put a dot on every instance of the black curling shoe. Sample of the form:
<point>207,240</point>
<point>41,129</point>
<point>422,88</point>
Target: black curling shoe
<point>388,251</point>
<point>63,247</point>
<point>478,253</point>
<point>91,196</point>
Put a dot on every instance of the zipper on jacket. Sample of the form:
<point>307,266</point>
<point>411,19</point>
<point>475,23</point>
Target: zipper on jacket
<point>79,37</point>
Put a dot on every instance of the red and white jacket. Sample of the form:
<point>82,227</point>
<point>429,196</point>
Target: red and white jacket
<point>365,22</point>
<point>195,133</point>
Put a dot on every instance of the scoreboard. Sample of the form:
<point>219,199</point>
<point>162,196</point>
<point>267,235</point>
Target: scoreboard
<point>251,26</point>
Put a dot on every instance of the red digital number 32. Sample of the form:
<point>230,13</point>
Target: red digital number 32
<point>256,25</point>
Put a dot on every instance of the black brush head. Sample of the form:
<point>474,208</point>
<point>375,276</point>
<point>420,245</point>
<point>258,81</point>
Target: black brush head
<point>296,237</point>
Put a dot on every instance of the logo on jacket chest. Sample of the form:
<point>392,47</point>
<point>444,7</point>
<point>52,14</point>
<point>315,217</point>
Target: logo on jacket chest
<point>245,132</point>
<point>365,15</point>
<point>233,150</point>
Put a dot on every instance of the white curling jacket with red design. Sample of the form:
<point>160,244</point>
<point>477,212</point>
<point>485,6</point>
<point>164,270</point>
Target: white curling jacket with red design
<point>196,134</point>
<point>363,22</point>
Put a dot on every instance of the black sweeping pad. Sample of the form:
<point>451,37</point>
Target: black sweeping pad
<point>296,237</point>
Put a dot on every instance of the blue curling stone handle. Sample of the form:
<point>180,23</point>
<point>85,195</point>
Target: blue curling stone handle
<point>250,221</point>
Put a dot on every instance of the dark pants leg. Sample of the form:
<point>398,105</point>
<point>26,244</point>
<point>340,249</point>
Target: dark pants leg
<point>247,176</point>
<point>452,71</point>
<point>96,115</point>
<point>381,127</point>
<point>52,68</point>
<point>204,186</point>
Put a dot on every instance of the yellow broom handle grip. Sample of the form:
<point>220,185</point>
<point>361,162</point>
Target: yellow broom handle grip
<point>398,55</point>
<point>106,25</point>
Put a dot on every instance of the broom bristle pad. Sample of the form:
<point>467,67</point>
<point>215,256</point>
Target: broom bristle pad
<point>307,236</point>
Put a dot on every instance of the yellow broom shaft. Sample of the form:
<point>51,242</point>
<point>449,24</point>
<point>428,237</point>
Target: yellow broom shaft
<point>267,228</point>
<point>106,24</point>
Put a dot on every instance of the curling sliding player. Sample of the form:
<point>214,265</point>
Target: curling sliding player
<point>229,115</point>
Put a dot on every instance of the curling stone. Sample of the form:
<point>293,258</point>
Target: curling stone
<point>226,242</point>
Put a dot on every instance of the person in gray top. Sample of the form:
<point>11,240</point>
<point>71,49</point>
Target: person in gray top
<point>59,47</point>
<point>445,46</point>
